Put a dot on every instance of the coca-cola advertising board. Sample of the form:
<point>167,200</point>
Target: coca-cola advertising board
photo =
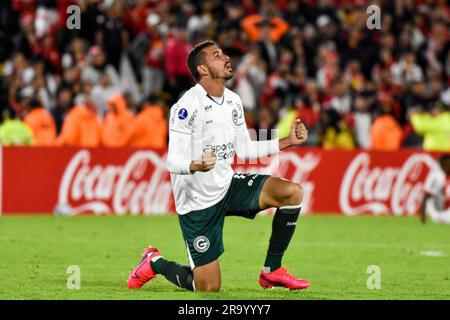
<point>129,181</point>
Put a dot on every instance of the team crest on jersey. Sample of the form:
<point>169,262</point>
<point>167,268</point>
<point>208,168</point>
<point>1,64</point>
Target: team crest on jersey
<point>182,114</point>
<point>235,117</point>
<point>201,244</point>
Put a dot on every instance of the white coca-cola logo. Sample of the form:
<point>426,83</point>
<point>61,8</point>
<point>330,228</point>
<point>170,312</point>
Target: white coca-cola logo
<point>382,190</point>
<point>121,189</point>
<point>141,185</point>
<point>301,167</point>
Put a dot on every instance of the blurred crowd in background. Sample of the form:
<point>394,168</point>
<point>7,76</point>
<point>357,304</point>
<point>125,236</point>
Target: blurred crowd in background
<point>112,82</point>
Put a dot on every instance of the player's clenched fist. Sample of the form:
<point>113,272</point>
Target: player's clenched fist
<point>299,134</point>
<point>205,163</point>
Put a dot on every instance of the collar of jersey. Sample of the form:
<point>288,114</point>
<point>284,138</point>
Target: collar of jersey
<point>200,88</point>
<point>221,103</point>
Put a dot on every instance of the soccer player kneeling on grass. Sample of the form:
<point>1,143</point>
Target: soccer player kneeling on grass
<point>206,128</point>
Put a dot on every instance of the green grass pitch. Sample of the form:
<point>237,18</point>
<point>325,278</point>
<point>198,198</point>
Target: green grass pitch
<point>332,252</point>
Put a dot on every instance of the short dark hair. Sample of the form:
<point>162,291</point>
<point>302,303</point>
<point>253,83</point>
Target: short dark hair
<point>196,57</point>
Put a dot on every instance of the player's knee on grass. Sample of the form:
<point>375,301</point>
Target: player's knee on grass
<point>207,277</point>
<point>207,285</point>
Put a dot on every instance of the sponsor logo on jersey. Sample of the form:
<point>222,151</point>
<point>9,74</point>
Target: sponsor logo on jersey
<point>223,151</point>
<point>209,121</point>
<point>182,114</point>
<point>208,108</point>
<point>229,101</point>
<point>192,118</point>
<point>201,244</point>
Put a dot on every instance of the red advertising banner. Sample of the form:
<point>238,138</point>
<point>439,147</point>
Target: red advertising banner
<point>100,180</point>
<point>130,181</point>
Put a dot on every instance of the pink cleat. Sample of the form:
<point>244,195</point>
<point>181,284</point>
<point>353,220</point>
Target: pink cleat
<point>143,272</point>
<point>281,278</point>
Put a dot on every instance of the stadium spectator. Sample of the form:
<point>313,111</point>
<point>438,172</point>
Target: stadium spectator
<point>72,79</point>
<point>354,77</point>
<point>97,66</point>
<point>22,43</point>
<point>41,123</point>
<point>112,35</point>
<point>384,65</point>
<point>437,47</point>
<point>328,72</point>
<point>321,51</point>
<point>433,126</point>
<point>15,132</point>
<point>64,101</point>
<point>147,51</point>
<point>362,118</point>
<point>406,70</point>
<point>148,128</point>
<point>340,98</point>
<point>46,17</point>
<point>250,78</point>
<point>102,92</point>
<point>266,121</point>
<point>200,19</point>
<point>116,125</point>
<point>385,133</point>
<point>260,28</point>
<point>135,18</point>
<point>46,48</point>
<point>81,127</point>
<point>285,122</point>
<point>300,109</point>
<point>176,53</point>
<point>76,54</point>
<point>415,96</point>
<point>334,132</point>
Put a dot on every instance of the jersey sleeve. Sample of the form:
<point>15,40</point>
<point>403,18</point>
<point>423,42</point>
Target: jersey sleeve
<point>184,116</point>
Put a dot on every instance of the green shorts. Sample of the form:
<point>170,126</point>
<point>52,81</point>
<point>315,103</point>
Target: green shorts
<point>202,229</point>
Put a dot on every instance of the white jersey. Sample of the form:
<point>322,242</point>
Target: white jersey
<point>199,122</point>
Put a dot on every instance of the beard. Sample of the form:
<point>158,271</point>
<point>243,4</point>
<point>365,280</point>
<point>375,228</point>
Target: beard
<point>216,74</point>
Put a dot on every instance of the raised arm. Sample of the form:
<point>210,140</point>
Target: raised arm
<point>248,149</point>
